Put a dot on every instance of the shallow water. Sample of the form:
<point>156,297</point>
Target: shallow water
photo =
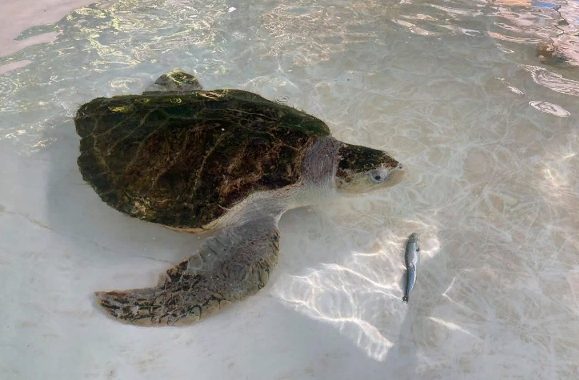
<point>453,89</point>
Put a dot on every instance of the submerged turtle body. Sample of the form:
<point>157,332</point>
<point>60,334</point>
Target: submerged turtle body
<point>184,159</point>
<point>188,158</point>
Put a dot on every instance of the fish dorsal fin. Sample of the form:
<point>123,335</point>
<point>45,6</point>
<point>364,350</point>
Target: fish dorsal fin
<point>175,81</point>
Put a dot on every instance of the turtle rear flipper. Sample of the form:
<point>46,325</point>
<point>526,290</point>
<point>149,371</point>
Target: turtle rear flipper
<point>175,81</point>
<point>229,267</point>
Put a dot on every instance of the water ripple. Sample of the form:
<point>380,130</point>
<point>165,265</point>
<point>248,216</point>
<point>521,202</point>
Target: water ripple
<point>549,108</point>
<point>553,81</point>
<point>97,47</point>
<point>360,297</point>
<point>450,87</point>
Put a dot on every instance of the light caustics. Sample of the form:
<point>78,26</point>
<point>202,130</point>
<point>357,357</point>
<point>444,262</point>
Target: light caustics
<point>358,297</point>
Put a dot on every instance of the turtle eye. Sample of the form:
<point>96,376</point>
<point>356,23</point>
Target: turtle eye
<point>378,175</point>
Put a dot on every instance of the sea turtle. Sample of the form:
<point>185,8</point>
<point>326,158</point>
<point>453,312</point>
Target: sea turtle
<point>561,51</point>
<point>228,160</point>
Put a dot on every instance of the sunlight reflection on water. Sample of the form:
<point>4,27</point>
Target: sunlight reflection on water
<point>361,297</point>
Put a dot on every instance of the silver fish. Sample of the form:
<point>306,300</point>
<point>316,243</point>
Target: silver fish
<point>412,258</point>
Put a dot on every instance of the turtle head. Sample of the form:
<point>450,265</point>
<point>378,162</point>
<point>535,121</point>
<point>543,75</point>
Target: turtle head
<point>362,169</point>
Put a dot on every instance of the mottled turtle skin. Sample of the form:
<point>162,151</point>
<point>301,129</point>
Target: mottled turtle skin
<point>228,160</point>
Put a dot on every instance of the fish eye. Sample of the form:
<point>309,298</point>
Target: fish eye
<point>378,176</point>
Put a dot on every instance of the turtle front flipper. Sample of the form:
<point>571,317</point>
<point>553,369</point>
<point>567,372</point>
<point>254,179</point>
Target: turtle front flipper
<point>228,267</point>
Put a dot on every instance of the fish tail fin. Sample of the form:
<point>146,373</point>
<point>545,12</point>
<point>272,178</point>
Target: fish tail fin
<point>405,299</point>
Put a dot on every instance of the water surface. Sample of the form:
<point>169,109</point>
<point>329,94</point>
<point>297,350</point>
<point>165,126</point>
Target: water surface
<point>453,89</point>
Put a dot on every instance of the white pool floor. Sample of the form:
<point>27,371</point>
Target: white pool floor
<point>453,89</point>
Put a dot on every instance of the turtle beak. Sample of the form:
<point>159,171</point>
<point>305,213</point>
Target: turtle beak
<point>395,175</point>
